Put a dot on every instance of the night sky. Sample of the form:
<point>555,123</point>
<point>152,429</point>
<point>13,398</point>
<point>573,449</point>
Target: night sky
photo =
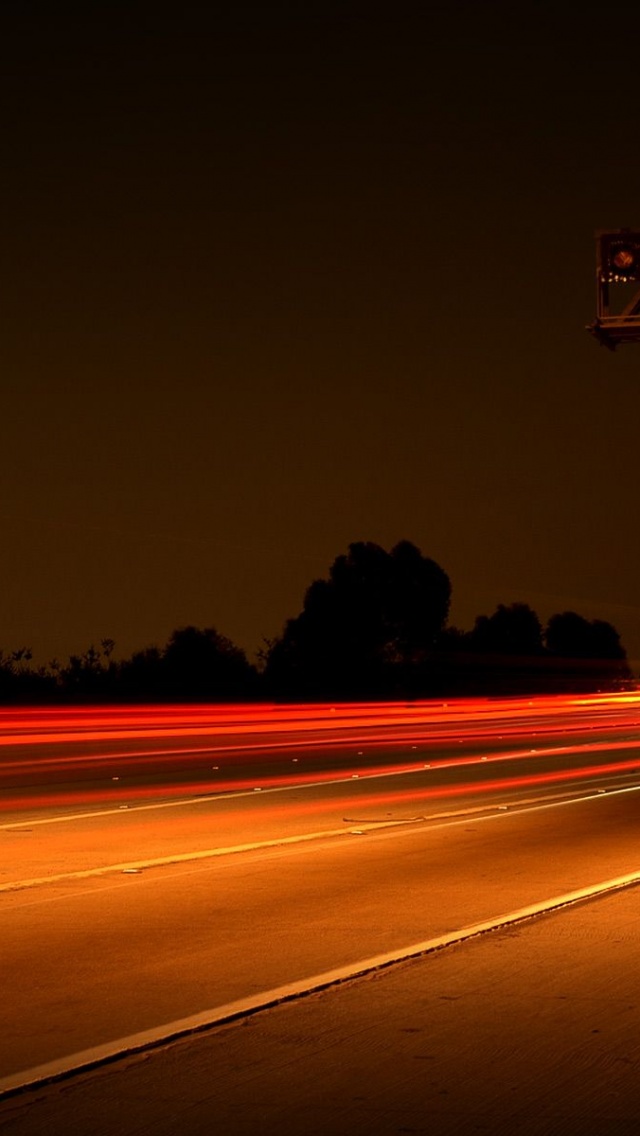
<point>278,277</point>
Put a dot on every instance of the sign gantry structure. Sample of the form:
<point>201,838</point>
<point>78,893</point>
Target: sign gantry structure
<point>617,300</point>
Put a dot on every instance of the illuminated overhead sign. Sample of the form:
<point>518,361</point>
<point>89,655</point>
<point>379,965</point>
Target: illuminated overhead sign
<point>617,310</point>
<point>619,257</point>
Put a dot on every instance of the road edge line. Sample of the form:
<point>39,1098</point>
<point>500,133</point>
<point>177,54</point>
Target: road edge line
<point>88,1060</point>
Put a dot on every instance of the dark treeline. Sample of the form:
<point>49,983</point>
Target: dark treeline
<point>376,628</point>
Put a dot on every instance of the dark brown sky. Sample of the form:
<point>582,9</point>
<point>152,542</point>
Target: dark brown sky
<point>278,277</point>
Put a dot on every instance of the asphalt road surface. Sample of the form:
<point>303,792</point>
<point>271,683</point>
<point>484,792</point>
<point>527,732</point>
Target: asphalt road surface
<point>160,864</point>
<point>531,1031</point>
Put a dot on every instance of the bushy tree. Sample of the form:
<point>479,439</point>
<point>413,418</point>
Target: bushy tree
<point>502,654</point>
<point>366,630</point>
<point>89,677</point>
<point>587,654</point>
<point>195,665</point>
<point>512,630</point>
<point>202,665</point>
<point>19,682</point>
<point>140,677</point>
<point>571,636</point>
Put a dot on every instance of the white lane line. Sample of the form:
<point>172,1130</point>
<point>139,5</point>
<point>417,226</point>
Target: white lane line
<point>75,1063</point>
<point>228,795</point>
<point>118,810</point>
<point>364,827</point>
<point>205,854</point>
<point>231,794</point>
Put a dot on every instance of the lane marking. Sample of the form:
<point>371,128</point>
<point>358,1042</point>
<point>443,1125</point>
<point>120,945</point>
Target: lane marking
<point>514,806</point>
<point>185,857</point>
<point>205,799</point>
<point>491,813</point>
<point>230,794</point>
<point>62,1068</point>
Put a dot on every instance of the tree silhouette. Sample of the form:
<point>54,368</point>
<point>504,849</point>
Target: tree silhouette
<point>366,631</point>
<point>89,677</point>
<point>587,654</point>
<point>503,653</point>
<point>21,683</point>
<point>511,630</point>
<point>376,627</point>
<point>508,653</point>
<point>141,677</point>
<point>202,665</point>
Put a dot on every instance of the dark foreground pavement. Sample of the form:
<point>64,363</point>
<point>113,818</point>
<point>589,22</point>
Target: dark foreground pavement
<point>534,1030</point>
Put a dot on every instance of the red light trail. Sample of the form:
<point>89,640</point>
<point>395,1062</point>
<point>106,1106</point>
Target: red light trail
<point>319,739</point>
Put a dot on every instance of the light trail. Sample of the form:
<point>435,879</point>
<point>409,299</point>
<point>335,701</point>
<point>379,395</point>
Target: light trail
<point>214,790</point>
<point>325,739</point>
<point>360,831</point>
<point>44,724</point>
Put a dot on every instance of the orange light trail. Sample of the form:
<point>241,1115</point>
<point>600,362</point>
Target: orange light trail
<point>46,725</point>
<point>369,798</point>
<point>326,737</point>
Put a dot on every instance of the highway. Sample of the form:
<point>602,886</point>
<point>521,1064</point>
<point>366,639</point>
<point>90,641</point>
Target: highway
<point>161,863</point>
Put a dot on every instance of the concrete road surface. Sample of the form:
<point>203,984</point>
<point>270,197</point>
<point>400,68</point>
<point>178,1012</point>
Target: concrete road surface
<point>534,1031</point>
<point>93,961</point>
